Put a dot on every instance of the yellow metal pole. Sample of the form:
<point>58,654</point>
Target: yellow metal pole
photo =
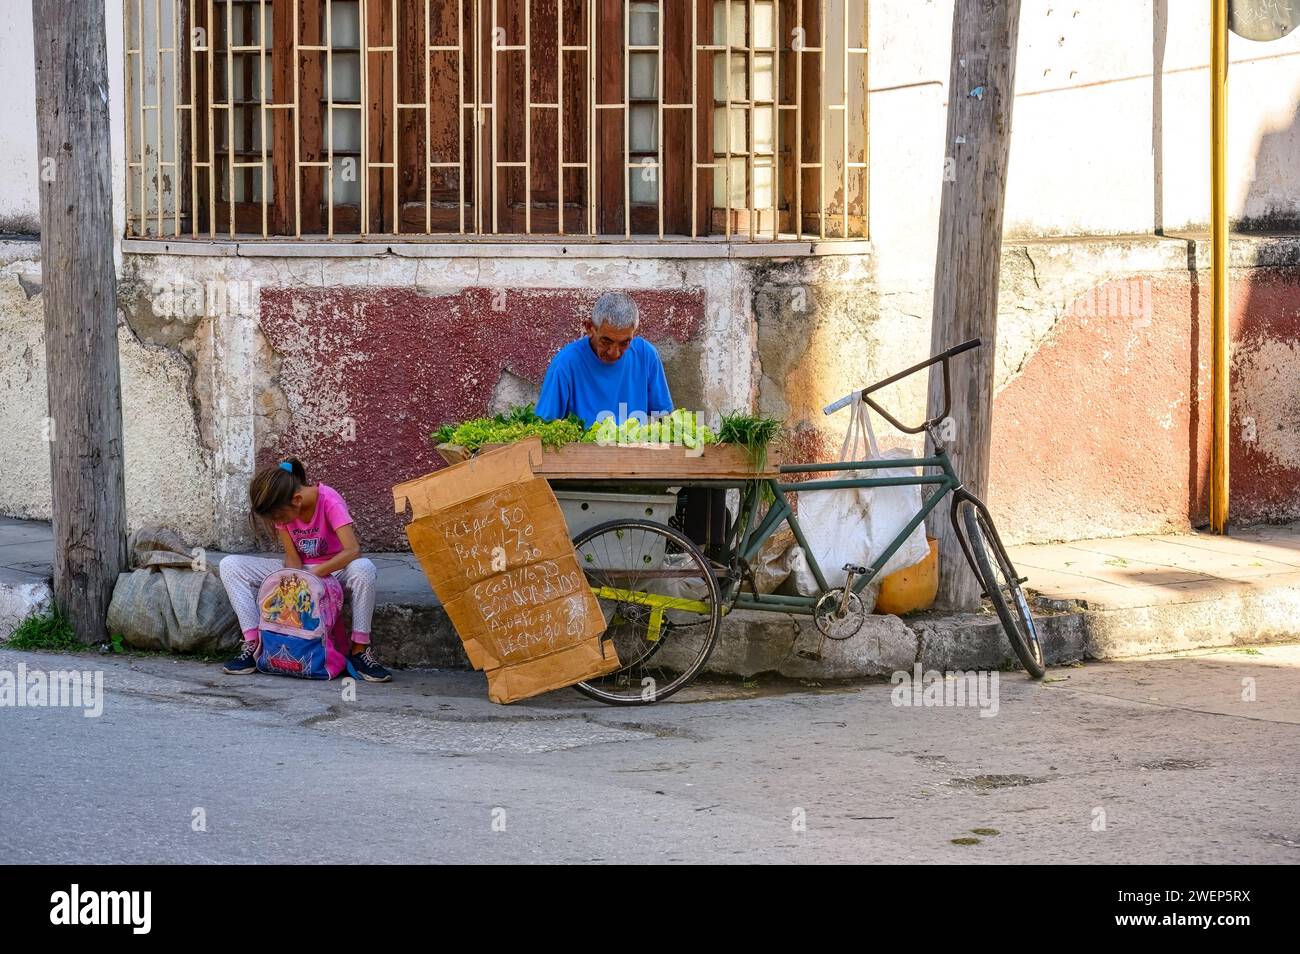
<point>1219,264</point>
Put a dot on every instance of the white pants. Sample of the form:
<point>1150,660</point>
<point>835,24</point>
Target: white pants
<point>243,575</point>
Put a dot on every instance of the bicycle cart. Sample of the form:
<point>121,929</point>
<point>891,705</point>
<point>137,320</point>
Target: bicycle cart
<point>664,599</point>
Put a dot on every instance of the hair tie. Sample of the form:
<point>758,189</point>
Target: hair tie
<point>285,465</point>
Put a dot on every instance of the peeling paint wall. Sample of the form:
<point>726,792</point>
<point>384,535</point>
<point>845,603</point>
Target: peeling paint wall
<point>25,464</point>
<point>351,362</point>
<point>1104,428</point>
<point>1101,419</point>
<point>168,467</point>
<point>369,373</point>
<point>1101,422</point>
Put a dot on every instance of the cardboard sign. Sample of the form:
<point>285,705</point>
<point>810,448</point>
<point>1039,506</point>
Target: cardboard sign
<point>492,540</point>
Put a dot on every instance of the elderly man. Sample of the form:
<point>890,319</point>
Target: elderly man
<point>609,373</point>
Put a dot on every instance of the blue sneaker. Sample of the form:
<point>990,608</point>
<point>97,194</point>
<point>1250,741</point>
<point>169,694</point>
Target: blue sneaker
<point>244,661</point>
<point>364,665</point>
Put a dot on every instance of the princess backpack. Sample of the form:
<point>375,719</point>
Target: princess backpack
<point>302,629</point>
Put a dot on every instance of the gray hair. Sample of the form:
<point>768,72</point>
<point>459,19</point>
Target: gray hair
<point>615,310</point>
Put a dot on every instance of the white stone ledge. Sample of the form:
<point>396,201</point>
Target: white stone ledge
<point>1167,251</point>
<point>350,248</point>
<point>1245,250</point>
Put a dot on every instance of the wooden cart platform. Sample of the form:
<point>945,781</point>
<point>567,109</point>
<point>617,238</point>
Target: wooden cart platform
<point>630,463</point>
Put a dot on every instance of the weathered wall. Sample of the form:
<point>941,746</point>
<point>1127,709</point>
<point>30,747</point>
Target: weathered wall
<point>19,201</point>
<point>369,373</point>
<point>168,466</point>
<point>1101,418</point>
<point>1105,429</point>
<point>351,362</point>
<point>20,166</point>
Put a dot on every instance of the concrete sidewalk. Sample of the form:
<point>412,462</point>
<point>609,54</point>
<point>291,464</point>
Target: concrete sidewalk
<point>1168,592</point>
<point>1127,572</point>
<point>1094,599</point>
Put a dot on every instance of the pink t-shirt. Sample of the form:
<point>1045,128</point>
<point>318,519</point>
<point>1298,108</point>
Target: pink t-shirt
<point>318,541</point>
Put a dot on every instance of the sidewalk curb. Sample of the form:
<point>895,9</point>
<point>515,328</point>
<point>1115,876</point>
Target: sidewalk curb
<point>419,634</point>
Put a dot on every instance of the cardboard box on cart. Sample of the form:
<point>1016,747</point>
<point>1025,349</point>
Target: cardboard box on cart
<point>493,543</point>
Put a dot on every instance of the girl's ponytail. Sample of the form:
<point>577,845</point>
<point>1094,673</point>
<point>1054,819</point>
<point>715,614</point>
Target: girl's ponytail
<point>273,487</point>
<point>294,466</point>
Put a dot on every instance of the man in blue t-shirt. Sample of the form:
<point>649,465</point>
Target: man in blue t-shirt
<point>609,373</point>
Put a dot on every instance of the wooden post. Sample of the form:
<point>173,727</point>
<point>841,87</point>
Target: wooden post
<point>79,287</point>
<point>981,89</point>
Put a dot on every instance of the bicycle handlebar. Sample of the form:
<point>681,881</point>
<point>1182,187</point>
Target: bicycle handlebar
<point>865,393</point>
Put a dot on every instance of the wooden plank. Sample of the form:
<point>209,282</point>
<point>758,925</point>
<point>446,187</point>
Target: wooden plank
<point>702,179</point>
<point>649,462</point>
<point>810,119</point>
<point>311,131</point>
<point>445,144</point>
<point>627,462</point>
<point>201,176</point>
<point>245,115</point>
<point>675,130</point>
<point>282,165</point>
<point>574,113</point>
<point>412,159</point>
<point>609,122</point>
<point>509,116</point>
<point>377,145</point>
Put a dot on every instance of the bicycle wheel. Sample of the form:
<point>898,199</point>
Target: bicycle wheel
<point>662,608</point>
<point>1002,587</point>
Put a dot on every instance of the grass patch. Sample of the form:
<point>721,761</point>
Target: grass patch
<point>49,631</point>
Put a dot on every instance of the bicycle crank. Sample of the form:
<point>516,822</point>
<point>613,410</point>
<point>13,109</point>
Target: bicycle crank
<point>839,614</point>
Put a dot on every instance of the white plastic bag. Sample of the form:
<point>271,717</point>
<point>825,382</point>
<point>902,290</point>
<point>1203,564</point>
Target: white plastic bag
<point>854,525</point>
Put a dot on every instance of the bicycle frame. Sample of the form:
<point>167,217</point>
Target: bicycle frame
<point>753,537</point>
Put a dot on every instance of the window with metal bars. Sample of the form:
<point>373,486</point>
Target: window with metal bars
<point>470,118</point>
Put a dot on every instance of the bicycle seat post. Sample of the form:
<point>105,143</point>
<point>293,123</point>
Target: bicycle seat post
<point>932,432</point>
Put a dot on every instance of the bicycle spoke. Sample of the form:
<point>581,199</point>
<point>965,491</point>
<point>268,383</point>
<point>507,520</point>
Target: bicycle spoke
<point>1003,588</point>
<point>633,566</point>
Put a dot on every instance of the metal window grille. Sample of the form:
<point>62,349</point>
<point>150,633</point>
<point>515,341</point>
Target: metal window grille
<point>736,119</point>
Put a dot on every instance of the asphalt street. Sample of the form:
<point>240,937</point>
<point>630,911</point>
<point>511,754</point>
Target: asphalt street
<point>1181,759</point>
